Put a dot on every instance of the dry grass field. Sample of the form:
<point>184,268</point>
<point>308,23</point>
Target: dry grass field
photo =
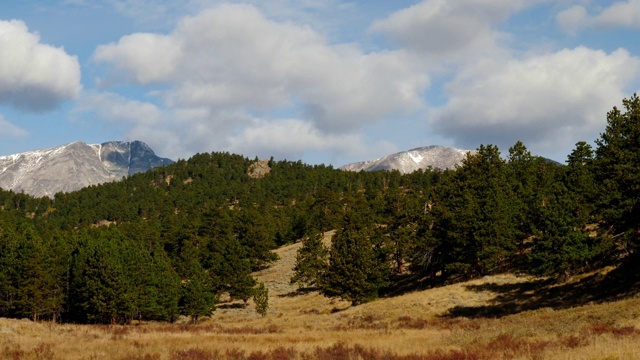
<point>496,317</point>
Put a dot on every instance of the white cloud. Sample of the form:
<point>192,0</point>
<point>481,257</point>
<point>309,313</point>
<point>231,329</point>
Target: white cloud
<point>144,121</point>
<point>8,129</point>
<point>116,108</point>
<point>287,136</point>
<point>291,138</point>
<point>34,76</point>
<point>619,14</point>
<point>179,133</point>
<point>547,101</point>
<point>160,14</point>
<point>573,19</point>
<point>229,65</point>
<point>145,57</point>
<point>623,13</point>
<point>451,31</point>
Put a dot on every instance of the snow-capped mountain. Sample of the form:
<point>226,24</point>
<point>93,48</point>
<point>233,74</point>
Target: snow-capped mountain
<point>74,166</point>
<point>440,157</point>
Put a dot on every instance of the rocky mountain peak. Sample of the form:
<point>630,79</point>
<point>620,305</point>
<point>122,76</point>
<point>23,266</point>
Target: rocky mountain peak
<point>76,165</point>
<point>440,157</point>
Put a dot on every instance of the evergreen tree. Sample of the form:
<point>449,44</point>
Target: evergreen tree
<point>358,268</point>
<point>402,213</point>
<point>475,223</point>
<point>261,299</point>
<point>99,282</point>
<point>522,168</point>
<point>617,166</point>
<point>198,298</point>
<point>40,294</point>
<point>325,210</point>
<point>311,262</point>
<point>559,245</point>
<point>581,183</point>
<point>9,267</point>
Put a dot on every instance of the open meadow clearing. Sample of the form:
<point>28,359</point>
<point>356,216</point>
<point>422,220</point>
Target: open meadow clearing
<point>495,317</point>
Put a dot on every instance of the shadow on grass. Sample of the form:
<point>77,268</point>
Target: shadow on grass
<point>300,291</point>
<point>406,283</point>
<point>232,306</point>
<point>620,283</point>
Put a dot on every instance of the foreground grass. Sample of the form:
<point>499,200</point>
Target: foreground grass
<point>589,332</point>
<point>497,317</point>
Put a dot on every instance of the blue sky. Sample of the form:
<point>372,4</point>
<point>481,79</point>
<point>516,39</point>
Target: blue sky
<point>319,81</point>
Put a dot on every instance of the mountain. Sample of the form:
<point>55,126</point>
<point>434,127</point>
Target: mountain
<point>440,157</point>
<point>76,165</point>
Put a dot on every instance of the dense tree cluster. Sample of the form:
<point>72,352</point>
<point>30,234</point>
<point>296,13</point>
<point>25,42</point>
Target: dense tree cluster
<point>172,240</point>
<point>493,213</point>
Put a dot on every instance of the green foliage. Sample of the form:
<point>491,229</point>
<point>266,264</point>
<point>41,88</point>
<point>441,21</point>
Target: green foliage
<point>581,182</point>
<point>358,267</point>
<point>311,262</point>
<point>114,280</point>
<point>475,224</point>
<point>261,299</point>
<point>198,298</point>
<point>617,168</point>
<point>171,240</point>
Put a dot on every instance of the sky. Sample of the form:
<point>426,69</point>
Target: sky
<point>322,81</point>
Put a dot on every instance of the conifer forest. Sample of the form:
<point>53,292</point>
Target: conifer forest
<point>173,240</point>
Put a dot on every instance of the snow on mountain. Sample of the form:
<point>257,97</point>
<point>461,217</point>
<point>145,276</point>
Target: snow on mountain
<point>76,165</point>
<point>440,157</point>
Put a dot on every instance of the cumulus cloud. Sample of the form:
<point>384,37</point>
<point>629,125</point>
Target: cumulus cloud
<point>294,136</point>
<point>619,14</point>
<point>573,19</point>
<point>231,64</point>
<point>143,120</point>
<point>34,76</point>
<point>624,13</point>
<point>451,30</point>
<point>8,129</point>
<point>178,133</point>
<point>543,100</point>
<point>322,14</point>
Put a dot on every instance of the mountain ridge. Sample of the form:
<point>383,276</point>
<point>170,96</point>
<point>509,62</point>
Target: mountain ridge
<point>73,166</point>
<point>420,158</point>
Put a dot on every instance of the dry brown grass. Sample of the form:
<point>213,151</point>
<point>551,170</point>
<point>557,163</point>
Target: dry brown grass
<point>307,326</point>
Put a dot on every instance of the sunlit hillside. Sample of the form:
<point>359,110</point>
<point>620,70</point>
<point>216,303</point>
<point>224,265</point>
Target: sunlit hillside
<point>486,318</point>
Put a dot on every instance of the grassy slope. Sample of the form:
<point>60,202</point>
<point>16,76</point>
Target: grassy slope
<point>497,317</point>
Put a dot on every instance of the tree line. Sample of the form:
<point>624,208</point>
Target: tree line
<point>171,241</point>
<point>492,214</point>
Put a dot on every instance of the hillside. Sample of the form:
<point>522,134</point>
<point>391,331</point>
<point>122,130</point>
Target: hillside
<point>422,158</point>
<point>419,325</point>
<point>416,259</point>
<point>74,166</point>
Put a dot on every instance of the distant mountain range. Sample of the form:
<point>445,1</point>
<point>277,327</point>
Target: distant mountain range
<point>440,157</point>
<point>74,166</point>
<point>77,165</point>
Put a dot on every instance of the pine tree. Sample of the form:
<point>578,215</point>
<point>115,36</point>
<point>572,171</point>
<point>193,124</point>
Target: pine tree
<point>100,285</point>
<point>358,267</point>
<point>9,267</point>
<point>475,224</point>
<point>261,299</point>
<point>617,166</point>
<point>198,298</point>
<point>311,262</point>
<point>581,183</point>
<point>39,293</point>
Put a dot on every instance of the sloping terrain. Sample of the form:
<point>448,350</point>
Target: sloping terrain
<point>74,166</point>
<point>437,157</point>
<point>419,325</point>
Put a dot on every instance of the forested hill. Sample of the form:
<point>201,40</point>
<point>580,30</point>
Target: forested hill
<point>167,241</point>
<point>171,240</point>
